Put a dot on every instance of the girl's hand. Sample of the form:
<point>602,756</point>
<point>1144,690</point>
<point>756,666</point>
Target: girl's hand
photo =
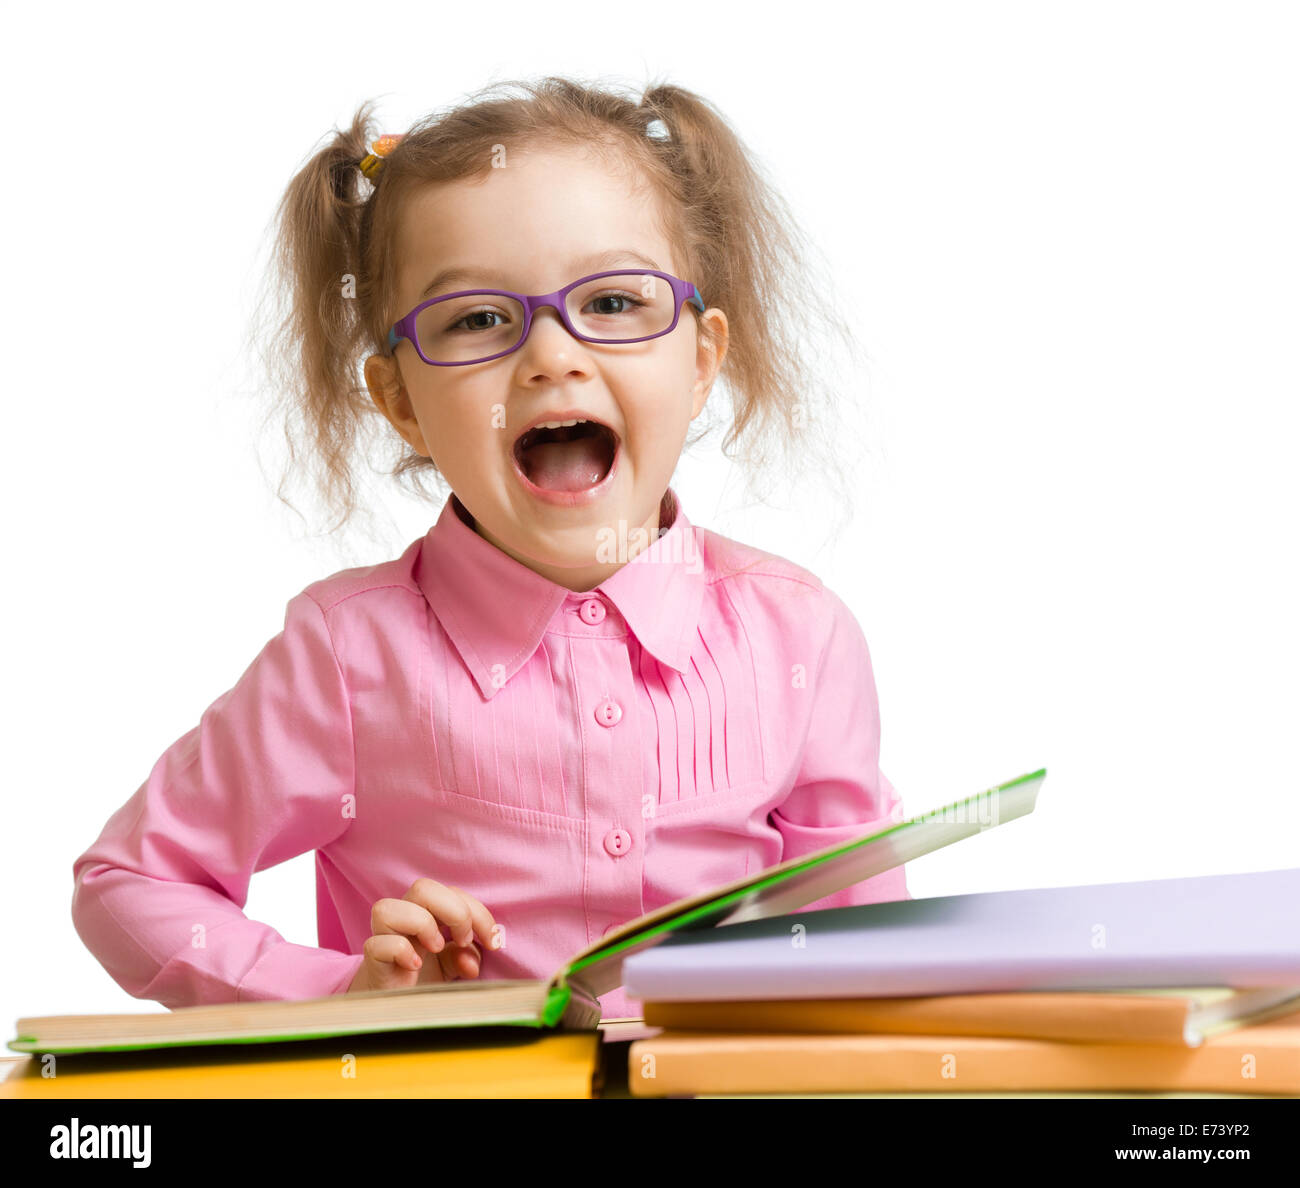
<point>393,961</point>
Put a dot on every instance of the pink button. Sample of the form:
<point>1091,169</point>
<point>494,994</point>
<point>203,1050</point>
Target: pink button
<point>618,842</point>
<point>592,611</point>
<point>608,713</point>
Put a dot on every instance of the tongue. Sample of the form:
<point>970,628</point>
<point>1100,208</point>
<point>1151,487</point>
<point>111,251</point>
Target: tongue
<point>566,465</point>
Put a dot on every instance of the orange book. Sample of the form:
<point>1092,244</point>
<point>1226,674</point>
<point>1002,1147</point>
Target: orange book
<point>1261,1059</point>
<point>1141,1016</point>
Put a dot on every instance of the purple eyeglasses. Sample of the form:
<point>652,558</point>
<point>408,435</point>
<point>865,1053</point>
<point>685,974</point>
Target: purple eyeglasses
<point>650,306</point>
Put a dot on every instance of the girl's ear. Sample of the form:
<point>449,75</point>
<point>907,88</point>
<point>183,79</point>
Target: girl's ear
<point>710,352</point>
<point>385,386</point>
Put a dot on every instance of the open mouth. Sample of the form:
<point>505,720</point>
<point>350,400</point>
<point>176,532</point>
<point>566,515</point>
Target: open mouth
<point>570,458</point>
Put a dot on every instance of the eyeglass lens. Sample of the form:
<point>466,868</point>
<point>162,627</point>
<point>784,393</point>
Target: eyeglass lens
<point>610,309</point>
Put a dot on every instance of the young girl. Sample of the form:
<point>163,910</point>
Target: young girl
<point>565,705</point>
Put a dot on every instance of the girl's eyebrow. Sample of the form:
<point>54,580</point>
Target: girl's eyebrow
<point>595,263</point>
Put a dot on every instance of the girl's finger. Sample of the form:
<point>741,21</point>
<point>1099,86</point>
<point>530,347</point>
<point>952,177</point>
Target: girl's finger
<point>484,924</point>
<point>445,904</point>
<point>404,917</point>
<point>470,961</point>
<point>393,950</point>
<point>448,962</point>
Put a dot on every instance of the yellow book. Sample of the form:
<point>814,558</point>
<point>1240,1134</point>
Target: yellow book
<point>466,1065</point>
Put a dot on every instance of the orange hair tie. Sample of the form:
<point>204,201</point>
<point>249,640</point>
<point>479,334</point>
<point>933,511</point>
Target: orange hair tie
<point>373,162</point>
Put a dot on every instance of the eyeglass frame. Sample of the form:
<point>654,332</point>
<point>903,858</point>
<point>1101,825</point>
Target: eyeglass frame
<point>683,291</point>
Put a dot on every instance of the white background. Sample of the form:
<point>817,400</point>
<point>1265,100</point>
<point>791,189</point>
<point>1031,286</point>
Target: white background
<point>1069,236</point>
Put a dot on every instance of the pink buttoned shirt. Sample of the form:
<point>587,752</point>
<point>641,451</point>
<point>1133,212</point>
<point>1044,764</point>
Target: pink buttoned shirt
<point>573,760</point>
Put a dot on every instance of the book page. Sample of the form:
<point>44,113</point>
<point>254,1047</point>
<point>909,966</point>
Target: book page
<point>791,885</point>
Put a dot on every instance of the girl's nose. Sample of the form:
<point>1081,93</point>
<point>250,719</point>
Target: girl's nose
<point>549,340</point>
<point>548,320</point>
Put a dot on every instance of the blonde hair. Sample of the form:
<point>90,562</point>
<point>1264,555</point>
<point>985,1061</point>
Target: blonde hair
<point>333,276</point>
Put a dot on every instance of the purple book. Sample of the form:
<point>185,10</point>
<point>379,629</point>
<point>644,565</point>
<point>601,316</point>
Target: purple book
<point>1239,930</point>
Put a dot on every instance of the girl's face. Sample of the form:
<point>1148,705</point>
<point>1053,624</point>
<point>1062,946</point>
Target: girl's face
<point>535,225</point>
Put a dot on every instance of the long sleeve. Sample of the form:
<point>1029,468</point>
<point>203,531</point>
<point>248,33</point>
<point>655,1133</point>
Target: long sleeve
<point>262,778</point>
<point>840,792</point>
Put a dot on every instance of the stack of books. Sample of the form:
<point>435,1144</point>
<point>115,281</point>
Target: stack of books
<point>1171,985</point>
<point>449,1018</point>
<point>1057,989</point>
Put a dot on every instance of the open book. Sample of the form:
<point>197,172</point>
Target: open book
<point>568,999</point>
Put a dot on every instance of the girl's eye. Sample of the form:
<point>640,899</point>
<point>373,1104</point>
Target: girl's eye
<point>478,313</point>
<point>616,297</point>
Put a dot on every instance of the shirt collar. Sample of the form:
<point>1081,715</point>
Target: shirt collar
<point>496,610</point>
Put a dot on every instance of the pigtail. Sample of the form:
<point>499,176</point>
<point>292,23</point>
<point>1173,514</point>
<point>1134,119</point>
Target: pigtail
<point>790,357</point>
<point>310,320</point>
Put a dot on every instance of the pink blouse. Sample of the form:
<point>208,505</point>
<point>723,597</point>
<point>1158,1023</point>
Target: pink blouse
<point>573,760</point>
